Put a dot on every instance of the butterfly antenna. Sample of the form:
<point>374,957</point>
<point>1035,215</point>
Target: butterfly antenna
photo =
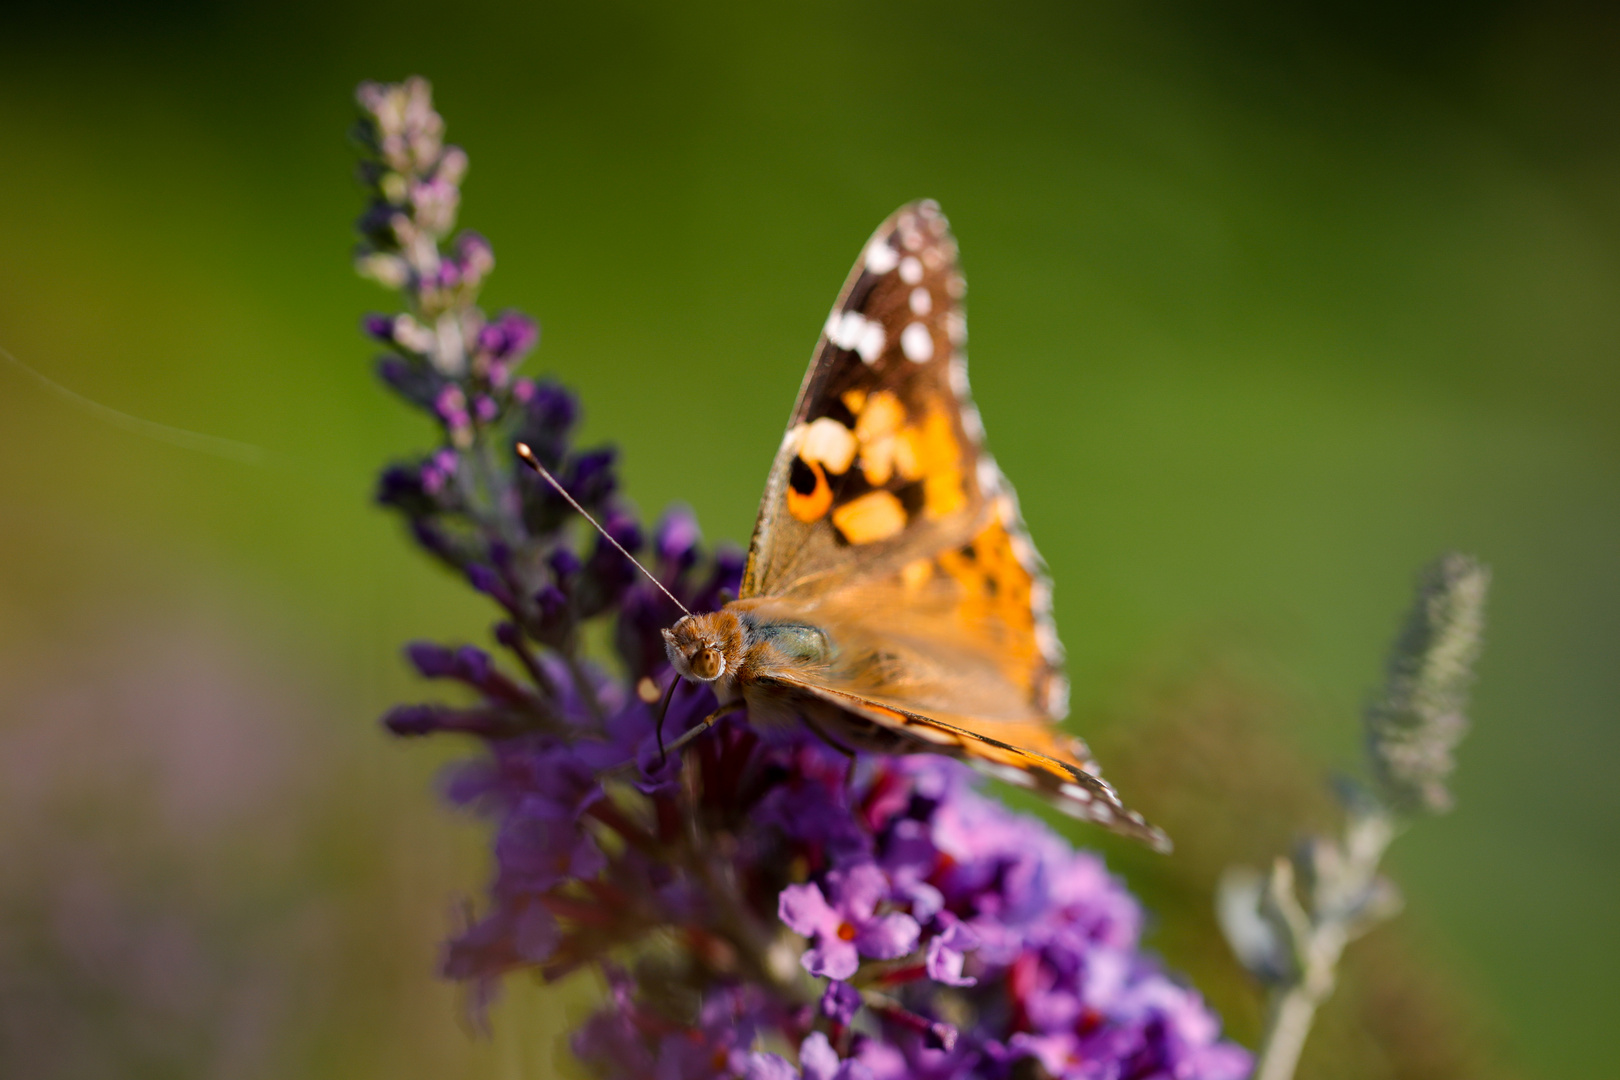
<point>533,462</point>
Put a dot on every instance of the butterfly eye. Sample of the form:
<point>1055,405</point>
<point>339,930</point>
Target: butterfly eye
<point>707,663</point>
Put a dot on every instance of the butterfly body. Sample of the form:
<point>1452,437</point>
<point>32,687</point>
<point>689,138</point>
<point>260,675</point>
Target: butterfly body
<point>892,596</point>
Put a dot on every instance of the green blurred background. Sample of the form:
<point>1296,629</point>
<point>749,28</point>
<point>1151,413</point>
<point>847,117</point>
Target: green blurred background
<point>1271,303</point>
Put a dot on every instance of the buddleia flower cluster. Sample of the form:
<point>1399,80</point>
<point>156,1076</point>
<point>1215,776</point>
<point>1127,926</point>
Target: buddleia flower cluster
<point>753,906</point>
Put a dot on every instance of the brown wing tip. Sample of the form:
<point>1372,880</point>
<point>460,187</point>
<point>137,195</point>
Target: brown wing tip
<point>1089,797</point>
<point>1116,818</point>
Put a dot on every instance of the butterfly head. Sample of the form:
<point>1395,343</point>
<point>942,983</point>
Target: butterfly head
<point>700,646</point>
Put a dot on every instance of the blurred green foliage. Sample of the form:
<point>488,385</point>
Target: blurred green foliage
<point>1269,305</point>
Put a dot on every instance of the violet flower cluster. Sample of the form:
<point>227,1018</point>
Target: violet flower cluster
<point>756,908</point>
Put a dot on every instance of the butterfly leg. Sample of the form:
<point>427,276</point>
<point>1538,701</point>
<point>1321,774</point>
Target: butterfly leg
<point>705,724</point>
<point>679,744</point>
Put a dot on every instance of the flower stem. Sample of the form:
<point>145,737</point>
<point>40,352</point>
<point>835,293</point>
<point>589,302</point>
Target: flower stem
<point>1292,1011</point>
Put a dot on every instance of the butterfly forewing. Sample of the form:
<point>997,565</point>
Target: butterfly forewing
<point>886,523</point>
<point>879,445</point>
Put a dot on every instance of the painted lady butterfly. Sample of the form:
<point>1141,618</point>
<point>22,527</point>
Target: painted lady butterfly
<point>892,599</point>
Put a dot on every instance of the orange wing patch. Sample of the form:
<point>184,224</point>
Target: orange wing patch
<point>809,496</point>
<point>879,419</point>
<point>999,597</point>
<point>881,473</point>
<point>877,515</point>
<point>939,461</point>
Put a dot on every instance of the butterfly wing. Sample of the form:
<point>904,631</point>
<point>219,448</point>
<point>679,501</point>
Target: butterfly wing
<point>883,480</point>
<point>886,522</point>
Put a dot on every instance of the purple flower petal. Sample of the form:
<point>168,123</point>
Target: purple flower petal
<point>535,934</point>
<point>817,1058</point>
<point>859,890</point>
<point>888,937</point>
<point>761,1066</point>
<point>831,959</point>
<point>945,957</point>
<point>806,912</point>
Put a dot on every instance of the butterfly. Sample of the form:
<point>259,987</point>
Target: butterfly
<point>892,598</point>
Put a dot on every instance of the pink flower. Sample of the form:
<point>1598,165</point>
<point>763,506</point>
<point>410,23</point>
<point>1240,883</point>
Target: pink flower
<point>842,932</point>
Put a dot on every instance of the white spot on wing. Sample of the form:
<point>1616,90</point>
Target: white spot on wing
<point>1075,792</point>
<point>1057,696</point>
<point>1007,508</point>
<point>959,377</point>
<point>871,342</point>
<point>956,327</point>
<point>911,237</point>
<point>1022,549</point>
<point>829,443</point>
<point>972,424</point>
<point>881,257</point>
<point>989,476</point>
<point>844,330</point>
<point>1046,639</point>
<point>922,301</point>
<point>790,438</point>
<point>911,270</point>
<point>917,343</point>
